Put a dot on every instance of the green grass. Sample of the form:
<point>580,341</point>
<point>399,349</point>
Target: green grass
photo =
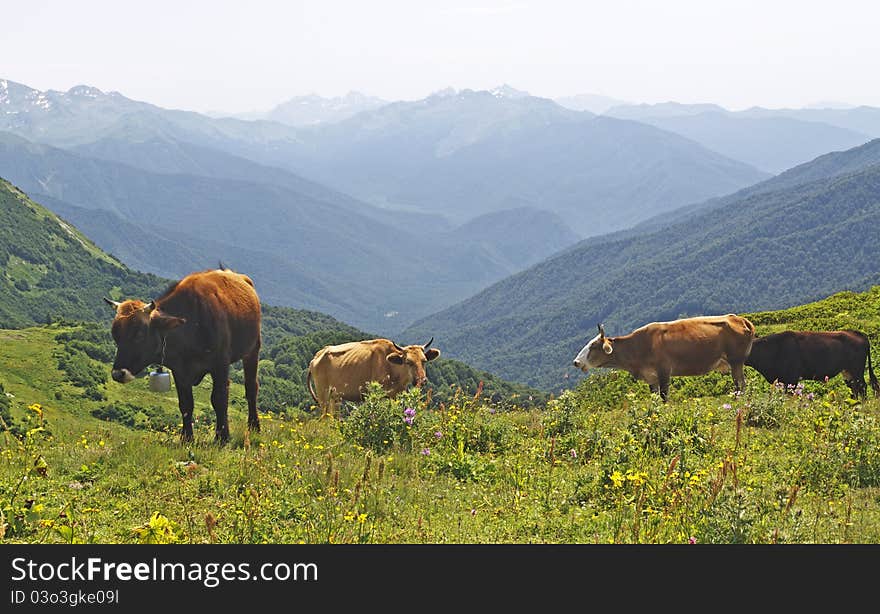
<point>604,463</point>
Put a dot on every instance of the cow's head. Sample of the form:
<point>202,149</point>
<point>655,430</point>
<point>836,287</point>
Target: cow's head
<point>597,353</point>
<point>411,361</point>
<point>138,330</point>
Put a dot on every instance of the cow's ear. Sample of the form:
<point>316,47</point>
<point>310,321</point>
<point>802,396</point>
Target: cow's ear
<point>606,346</point>
<point>432,353</point>
<point>162,322</point>
<point>395,358</point>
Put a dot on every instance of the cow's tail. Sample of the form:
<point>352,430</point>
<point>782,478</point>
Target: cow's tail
<point>309,381</point>
<point>874,384</point>
<point>750,331</point>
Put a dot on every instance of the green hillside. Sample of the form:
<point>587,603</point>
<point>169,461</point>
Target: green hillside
<point>857,310</point>
<point>604,463</point>
<point>49,269</point>
<point>765,251</point>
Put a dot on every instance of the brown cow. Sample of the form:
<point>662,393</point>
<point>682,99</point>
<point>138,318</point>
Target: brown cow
<point>690,346</point>
<point>200,325</point>
<point>340,372</point>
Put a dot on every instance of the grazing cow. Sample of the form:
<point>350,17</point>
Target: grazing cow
<point>200,325</point>
<point>690,346</point>
<point>340,372</point>
<point>791,356</point>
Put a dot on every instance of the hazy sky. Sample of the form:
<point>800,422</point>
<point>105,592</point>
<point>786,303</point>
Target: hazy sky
<point>247,55</point>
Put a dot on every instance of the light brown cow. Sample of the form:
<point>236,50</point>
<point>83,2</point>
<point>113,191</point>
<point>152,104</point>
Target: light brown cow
<point>340,372</point>
<point>690,346</point>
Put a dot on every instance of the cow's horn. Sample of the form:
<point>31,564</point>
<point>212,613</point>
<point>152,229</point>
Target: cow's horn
<point>427,345</point>
<point>149,307</point>
<point>602,331</point>
<point>113,303</point>
<point>398,348</point>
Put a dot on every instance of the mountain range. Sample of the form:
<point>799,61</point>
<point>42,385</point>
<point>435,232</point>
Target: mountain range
<point>464,188</point>
<point>455,154</point>
<point>310,247</point>
<point>473,152</point>
<point>772,141</point>
<point>312,109</point>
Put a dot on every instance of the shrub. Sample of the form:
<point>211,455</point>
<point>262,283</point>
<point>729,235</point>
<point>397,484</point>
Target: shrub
<point>154,418</point>
<point>80,369</point>
<point>379,423</point>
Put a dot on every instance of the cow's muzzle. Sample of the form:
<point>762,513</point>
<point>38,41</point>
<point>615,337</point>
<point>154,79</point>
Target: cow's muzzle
<point>582,366</point>
<point>123,376</point>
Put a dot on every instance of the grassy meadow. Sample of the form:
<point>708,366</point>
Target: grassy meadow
<point>91,461</point>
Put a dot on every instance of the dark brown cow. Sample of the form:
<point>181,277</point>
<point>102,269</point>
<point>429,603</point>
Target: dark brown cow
<point>340,372</point>
<point>690,346</point>
<point>791,356</point>
<point>200,325</point>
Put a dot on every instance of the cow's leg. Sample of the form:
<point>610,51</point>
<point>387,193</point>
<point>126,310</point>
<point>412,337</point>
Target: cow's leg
<point>334,400</point>
<point>655,388</point>
<point>737,371</point>
<point>220,402</point>
<point>858,387</point>
<point>186,404</point>
<point>251,386</point>
<point>663,384</point>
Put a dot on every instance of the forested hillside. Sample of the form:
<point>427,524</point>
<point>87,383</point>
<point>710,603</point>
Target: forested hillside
<point>826,166</point>
<point>50,270</point>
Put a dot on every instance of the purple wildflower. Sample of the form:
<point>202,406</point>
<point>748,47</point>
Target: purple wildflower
<point>438,434</point>
<point>727,406</point>
<point>409,411</point>
<point>692,540</point>
<point>573,453</point>
<point>425,451</point>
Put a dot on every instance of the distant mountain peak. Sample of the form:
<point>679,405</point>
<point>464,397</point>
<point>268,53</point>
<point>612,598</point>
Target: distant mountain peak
<point>446,92</point>
<point>594,103</point>
<point>313,109</point>
<point>85,91</point>
<point>663,109</point>
<point>15,94</point>
<point>506,91</point>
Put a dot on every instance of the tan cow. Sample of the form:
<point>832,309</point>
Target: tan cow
<point>340,372</point>
<point>690,346</point>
